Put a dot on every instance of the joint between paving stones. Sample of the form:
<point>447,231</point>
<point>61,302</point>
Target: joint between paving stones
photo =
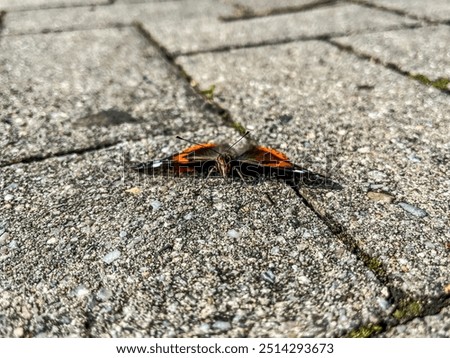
<point>324,37</point>
<point>78,151</point>
<point>441,83</point>
<point>394,11</point>
<point>62,6</point>
<point>70,29</point>
<point>247,13</point>
<point>206,96</point>
<point>2,16</point>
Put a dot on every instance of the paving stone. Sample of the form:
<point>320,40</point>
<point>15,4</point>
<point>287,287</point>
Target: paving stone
<point>439,11</point>
<point>370,128</point>
<point>90,17</point>
<point>14,5</point>
<point>435,326</point>
<point>182,257</point>
<point>205,34</point>
<point>70,91</point>
<point>423,51</point>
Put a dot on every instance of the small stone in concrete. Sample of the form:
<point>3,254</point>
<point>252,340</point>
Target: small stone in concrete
<point>156,205</point>
<point>268,276</point>
<point>234,234</point>
<point>104,294</point>
<point>111,256</point>
<point>381,197</point>
<point>222,325</point>
<point>413,210</point>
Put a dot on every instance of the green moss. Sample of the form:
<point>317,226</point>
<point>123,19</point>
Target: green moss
<point>209,93</point>
<point>375,265</point>
<point>441,83</point>
<point>408,310</point>
<point>239,127</point>
<point>365,331</point>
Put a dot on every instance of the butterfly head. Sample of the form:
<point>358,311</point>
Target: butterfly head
<point>223,164</point>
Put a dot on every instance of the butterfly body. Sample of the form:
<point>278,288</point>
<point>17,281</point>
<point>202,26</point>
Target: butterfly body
<point>222,160</point>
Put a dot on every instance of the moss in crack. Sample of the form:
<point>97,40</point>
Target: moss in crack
<point>239,127</point>
<point>407,310</point>
<point>365,331</point>
<point>441,83</point>
<point>376,266</point>
<point>209,93</point>
<point>2,15</point>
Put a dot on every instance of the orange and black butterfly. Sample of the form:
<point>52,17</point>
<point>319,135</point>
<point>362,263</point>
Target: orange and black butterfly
<point>222,160</point>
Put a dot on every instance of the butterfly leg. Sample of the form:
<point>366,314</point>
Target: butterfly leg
<point>210,171</point>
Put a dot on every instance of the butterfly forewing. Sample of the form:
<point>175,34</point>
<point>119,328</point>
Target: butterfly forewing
<point>197,158</point>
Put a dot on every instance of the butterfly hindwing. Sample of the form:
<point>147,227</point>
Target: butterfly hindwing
<point>261,161</point>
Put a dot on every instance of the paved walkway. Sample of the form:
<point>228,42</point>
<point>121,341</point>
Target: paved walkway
<point>357,90</point>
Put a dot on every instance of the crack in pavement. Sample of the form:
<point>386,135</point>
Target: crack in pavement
<point>248,13</point>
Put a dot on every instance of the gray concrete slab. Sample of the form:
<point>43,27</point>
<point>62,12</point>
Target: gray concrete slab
<point>88,17</point>
<point>382,135</point>
<point>205,34</point>
<point>438,10</point>
<point>424,51</point>
<point>82,254</point>
<point>434,326</point>
<point>20,5</point>
<point>69,91</point>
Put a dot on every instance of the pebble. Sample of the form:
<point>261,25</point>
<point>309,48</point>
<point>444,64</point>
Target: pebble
<point>81,291</point>
<point>381,197</point>
<point>413,210</point>
<point>18,332</point>
<point>52,241</point>
<point>9,197</point>
<point>156,205</point>
<point>234,234</point>
<point>275,250</point>
<point>4,237</point>
<point>111,256</point>
<point>104,294</point>
<point>268,276</point>
<point>222,325</point>
<point>188,216</point>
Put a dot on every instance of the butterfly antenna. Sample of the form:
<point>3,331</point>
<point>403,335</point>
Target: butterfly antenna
<point>192,142</point>
<point>246,133</point>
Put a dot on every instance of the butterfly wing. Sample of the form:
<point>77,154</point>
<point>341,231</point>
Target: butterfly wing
<point>197,158</point>
<point>262,161</point>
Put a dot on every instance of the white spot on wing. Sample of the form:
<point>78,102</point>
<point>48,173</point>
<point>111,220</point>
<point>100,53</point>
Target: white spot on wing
<point>156,164</point>
<point>300,171</point>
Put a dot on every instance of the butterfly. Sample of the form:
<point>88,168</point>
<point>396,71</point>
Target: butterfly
<point>255,161</point>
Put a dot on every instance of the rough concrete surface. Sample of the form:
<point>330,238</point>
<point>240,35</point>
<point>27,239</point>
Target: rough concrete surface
<point>317,88</point>
<point>75,90</point>
<point>209,33</point>
<point>422,51</point>
<point>90,248</point>
<point>120,14</point>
